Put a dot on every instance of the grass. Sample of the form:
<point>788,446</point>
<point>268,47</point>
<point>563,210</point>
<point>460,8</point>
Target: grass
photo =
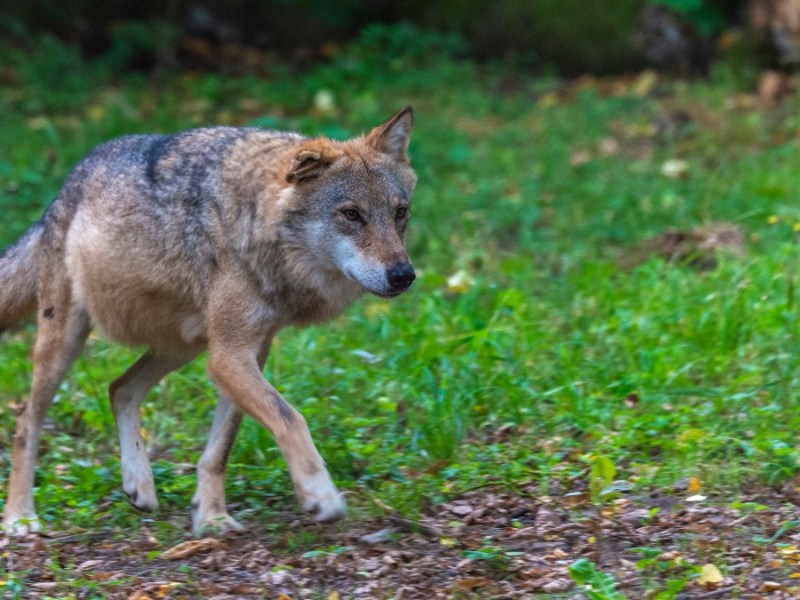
<point>666,371</point>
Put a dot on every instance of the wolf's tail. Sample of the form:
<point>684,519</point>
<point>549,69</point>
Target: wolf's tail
<point>19,277</point>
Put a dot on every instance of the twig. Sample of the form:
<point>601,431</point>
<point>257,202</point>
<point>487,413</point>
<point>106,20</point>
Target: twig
<point>414,526</point>
<point>717,593</point>
<point>741,520</point>
<point>77,537</point>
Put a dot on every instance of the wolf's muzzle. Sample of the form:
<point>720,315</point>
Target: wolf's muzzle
<point>400,276</point>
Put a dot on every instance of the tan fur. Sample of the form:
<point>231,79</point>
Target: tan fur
<point>211,239</point>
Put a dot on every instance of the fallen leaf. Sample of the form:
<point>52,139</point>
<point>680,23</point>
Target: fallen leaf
<point>461,509</point>
<point>694,485</point>
<point>645,83</point>
<point>381,504</point>
<point>557,585</point>
<point>675,168</point>
<point>447,542</point>
<point>608,146</point>
<point>164,589</point>
<point>709,574</point>
<point>574,499</point>
<point>460,282</point>
<point>190,548</point>
<point>244,588</point>
<point>470,583</point>
<point>673,555</point>
<point>579,157</point>
<point>89,564</point>
<point>383,535</point>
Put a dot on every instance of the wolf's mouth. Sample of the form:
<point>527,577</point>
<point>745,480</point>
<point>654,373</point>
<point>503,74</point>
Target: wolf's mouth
<point>389,294</point>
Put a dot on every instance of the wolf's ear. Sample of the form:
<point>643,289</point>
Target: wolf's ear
<point>392,136</point>
<point>311,160</point>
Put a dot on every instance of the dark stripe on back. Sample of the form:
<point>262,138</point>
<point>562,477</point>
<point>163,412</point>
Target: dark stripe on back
<point>155,150</point>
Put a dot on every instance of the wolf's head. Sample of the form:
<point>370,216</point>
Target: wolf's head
<point>349,204</point>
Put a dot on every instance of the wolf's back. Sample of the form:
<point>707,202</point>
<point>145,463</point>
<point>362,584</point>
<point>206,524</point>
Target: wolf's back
<point>19,277</point>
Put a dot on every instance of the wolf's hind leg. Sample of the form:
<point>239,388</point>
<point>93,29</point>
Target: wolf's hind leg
<point>62,329</point>
<point>127,394</point>
<point>208,505</point>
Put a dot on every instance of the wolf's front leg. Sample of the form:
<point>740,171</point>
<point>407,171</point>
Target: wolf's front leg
<point>237,374</point>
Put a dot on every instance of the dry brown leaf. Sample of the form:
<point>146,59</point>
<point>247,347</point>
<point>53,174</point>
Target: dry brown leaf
<point>696,248</point>
<point>470,583</point>
<point>164,589</point>
<point>244,588</point>
<point>89,564</point>
<point>140,595</point>
<point>461,509</point>
<point>574,499</point>
<point>191,548</point>
<point>557,585</point>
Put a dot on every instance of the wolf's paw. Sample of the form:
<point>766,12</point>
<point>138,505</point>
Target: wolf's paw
<point>16,526</point>
<point>214,524</point>
<point>142,497</point>
<point>138,484</point>
<point>329,510</point>
<point>321,498</point>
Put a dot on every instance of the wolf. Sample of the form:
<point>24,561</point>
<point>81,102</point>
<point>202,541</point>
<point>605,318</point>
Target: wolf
<point>211,239</point>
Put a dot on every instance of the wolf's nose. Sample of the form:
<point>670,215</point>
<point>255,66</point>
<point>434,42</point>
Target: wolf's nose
<point>400,275</point>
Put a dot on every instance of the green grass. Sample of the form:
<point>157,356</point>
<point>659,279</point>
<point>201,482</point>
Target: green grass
<point>551,336</point>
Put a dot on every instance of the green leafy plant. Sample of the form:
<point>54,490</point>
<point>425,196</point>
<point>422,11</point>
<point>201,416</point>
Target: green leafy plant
<point>601,478</point>
<point>496,557</point>
<point>596,584</point>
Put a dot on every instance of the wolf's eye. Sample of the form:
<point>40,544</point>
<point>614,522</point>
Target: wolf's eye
<point>401,212</point>
<point>351,214</point>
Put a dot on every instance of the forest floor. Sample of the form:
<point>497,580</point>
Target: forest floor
<point>485,543</point>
